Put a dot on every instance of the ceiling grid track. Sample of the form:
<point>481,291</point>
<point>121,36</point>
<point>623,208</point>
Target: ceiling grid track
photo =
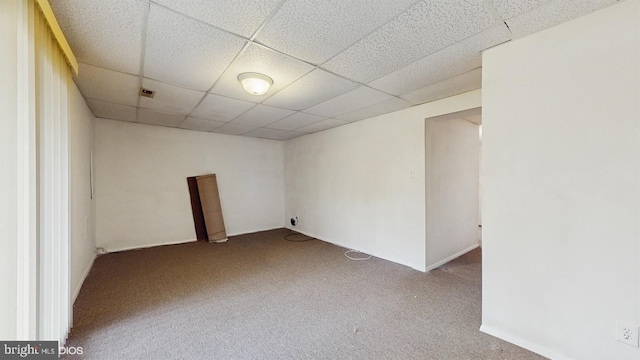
<point>331,63</point>
<point>143,47</point>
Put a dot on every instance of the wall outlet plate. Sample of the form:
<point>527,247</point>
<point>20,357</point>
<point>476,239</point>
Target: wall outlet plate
<point>627,333</point>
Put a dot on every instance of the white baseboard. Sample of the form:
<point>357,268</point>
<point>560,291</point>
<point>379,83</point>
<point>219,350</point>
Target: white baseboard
<point>136,247</point>
<point>83,278</point>
<point>446,260</point>
<point>253,231</point>
<point>145,246</point>
<point>523,343</point>
<point>307,234</point>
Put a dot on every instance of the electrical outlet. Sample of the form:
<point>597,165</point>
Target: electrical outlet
<point>627,333</point>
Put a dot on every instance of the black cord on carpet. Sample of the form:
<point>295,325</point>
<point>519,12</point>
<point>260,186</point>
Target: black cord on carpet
<point>305,237</point>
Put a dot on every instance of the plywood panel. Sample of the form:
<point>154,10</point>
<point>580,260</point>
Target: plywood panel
<point>211,208</point>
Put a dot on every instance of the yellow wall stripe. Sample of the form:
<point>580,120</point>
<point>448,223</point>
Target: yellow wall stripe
<point>57,32</point>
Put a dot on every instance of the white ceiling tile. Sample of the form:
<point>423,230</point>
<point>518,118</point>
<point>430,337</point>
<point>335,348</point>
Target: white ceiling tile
<point>157,118</point>
<point>313,88</point>
<point>426,53</point>
<point>350,101</point>
<point>322,125</point>
<point>471,80</point>
<point>509,8</point>
<point>282,69</point>
<point>317,30</point>
<point>220,108</point>
<point>186,52</point>
<point>272,134</point>
<point>394,104</point>
<point>111,111</point>
<point>242,17</point>
<point>551,14</point>
<point>295,121</point>
<point>233,129</point>
<point>192,123</point>
<point>426,28</point>
<point>262,115</point>
<point>170,99</point>
<point>107,85</point>
<point>103,33</point>
<point>456,59</point>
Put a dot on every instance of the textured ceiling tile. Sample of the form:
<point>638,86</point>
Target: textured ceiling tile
<point>311,89</point>
<point>157,118</point>
<point>242,17</point>
<point>170,99</point>
<point>295,121</point>
<point>106,85</point>
<point>186,52</point>
<point>221,108</point>
<point>454,60</point>
<point>322,125</point>
<point>272,134</point>
<point>233,129</point>
<point>426,28</point>
<point>552,14</point>
<point>111,111</point>
<point>282,69</point>
<point>192,123</point>
<point>454,86</point>
<point>509,8</point>
<point>350,101</point>
<point>103,33</point>
<point>317,30</point>
<point>261,115</point>
<point>394,104</point>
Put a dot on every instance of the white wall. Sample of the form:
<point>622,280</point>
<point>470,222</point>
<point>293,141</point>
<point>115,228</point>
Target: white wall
<point>8,167</point>
<point>83,242</point>
<point>353,185</point>
<point>452,189</point>
<point>142,198</point>
<point>561,180</point>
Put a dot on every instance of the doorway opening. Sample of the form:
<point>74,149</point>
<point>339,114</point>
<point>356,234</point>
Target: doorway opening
<point>452,185</point>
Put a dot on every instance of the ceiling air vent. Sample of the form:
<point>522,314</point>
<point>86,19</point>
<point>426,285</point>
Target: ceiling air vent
<point>146,92</point>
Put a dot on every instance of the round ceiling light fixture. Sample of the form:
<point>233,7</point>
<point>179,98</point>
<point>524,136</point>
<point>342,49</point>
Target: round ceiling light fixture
<point>255,83</point>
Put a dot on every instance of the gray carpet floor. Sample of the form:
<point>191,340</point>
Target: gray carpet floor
<point>258,296</point>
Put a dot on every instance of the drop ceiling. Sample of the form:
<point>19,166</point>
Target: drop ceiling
<point>332,62</point>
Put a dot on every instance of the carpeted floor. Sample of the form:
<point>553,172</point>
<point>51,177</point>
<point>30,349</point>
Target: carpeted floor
<point>261,297</point>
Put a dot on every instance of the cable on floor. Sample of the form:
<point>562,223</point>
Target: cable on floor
<point>356,252</point>
<point>303,239</point>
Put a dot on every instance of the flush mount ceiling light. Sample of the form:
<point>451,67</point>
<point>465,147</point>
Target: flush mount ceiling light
<point>255,83</point>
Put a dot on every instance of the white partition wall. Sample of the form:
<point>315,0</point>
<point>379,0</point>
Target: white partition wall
<point>362,185</point>
<point>82,217</point>
<point>561,181</point>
